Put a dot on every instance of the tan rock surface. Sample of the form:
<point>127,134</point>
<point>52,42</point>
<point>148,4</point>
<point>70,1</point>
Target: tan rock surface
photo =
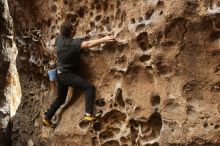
<point>160,81</point>
<point>10,91</point>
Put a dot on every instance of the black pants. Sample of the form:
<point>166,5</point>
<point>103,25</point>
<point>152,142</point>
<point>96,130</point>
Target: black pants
<point>73,80</point>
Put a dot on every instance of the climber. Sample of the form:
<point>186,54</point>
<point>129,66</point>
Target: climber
<point>68,50</point>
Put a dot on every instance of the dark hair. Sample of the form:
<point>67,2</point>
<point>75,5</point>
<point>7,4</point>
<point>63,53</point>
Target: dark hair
<point>66,29</point>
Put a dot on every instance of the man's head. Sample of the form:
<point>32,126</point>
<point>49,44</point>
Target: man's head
<point>66,30</point>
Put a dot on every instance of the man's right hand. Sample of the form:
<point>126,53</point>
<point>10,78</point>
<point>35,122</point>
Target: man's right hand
<point>109,39</point>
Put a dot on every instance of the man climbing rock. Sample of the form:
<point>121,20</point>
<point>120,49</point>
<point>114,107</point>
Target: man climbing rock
<point>68,50</point>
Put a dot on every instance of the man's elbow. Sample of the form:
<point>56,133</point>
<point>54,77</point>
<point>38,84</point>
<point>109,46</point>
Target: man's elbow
<point>85,45</point>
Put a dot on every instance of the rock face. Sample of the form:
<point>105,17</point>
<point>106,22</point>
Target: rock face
<point>10,92</point>
<point>159,83</point>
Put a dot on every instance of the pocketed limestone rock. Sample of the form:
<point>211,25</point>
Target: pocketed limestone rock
<point>159,82</point>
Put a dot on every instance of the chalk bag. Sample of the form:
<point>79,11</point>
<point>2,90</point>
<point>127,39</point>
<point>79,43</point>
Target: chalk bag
<point>52,74</point>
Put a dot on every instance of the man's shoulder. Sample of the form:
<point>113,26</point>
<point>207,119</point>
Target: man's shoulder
<point>77,41</point>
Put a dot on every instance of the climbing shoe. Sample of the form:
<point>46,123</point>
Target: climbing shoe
<point>98,114</point>
<point>48,123</point>
<point>89,118</point>
<point>93,117</point>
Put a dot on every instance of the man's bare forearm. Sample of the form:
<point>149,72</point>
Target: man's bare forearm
<point>92,43</point>
<point>96,42</point>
